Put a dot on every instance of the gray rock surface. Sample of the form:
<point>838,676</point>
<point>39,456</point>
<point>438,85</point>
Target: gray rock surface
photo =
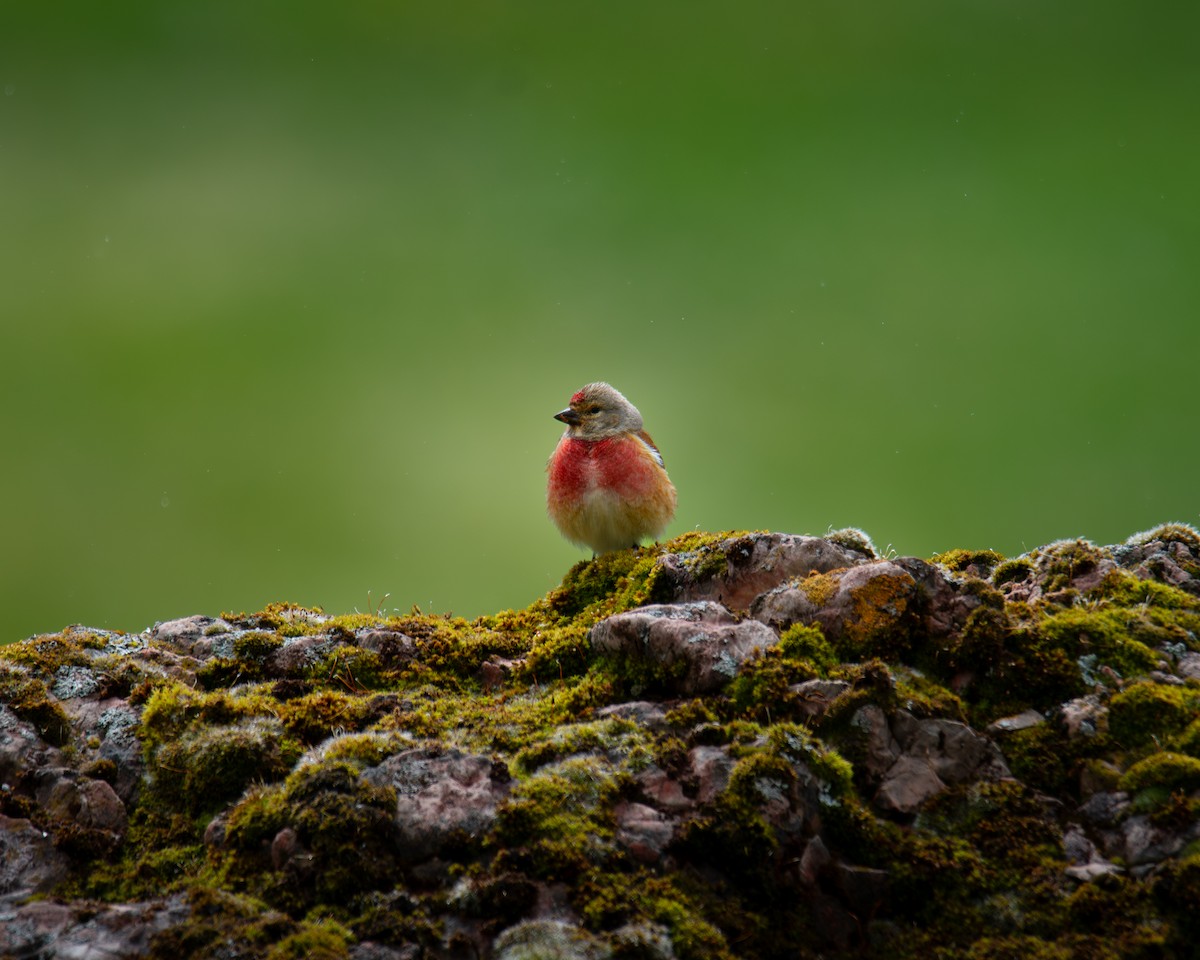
<point>692,647</point>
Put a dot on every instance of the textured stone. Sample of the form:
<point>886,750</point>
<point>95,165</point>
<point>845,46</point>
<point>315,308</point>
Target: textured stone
<point>441,794</point>
<point>698,647</point>
<point>735,571</point>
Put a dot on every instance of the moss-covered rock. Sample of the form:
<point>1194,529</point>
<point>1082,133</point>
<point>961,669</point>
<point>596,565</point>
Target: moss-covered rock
<point>884,767</point>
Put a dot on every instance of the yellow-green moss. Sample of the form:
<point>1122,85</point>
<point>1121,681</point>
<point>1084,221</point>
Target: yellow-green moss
<point>28,698</point>
<point>1018,568</point>
<point>1062,562</point>
<point>558,823</point>
<point>806,644</point>
<point>1171,771</point>
<point>205,768</point>
<point>343,822</point>
<point>1151,712</point>
<point>47,654</point>
<point>959,561</point>
<point>321,940</point>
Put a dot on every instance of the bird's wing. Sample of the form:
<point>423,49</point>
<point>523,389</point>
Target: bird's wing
<point>645,438</point>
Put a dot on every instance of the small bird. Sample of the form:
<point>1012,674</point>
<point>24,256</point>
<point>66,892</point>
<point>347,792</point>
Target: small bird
<point>607,486</point>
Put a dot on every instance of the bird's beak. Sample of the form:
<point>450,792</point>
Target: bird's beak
<point>568,416</point>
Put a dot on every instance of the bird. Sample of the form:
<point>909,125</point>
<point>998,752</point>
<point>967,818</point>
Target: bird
<point>607,486</point>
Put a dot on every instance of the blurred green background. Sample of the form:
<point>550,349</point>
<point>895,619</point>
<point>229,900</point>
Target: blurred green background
<point>290,291</point>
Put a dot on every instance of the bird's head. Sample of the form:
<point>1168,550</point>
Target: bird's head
<point>598,411</point>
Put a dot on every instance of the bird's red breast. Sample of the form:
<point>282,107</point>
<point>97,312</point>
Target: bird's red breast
<point>609,493</point>
<point>627,465</point>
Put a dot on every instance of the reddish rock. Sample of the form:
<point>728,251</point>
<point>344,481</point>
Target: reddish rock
<point>442,796</point>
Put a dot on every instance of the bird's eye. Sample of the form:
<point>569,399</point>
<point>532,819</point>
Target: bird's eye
<point>593,409</point>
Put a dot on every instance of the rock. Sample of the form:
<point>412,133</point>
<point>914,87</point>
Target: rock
<point>864,888</point>
<point>29,861</point>
<point>643,831</point>
<point>881,748</point>
<point>89,803</point>
<point>691,648</point>
<point>814,861</point>
<point>392,646</point>
<point>1082,717</point>
<point>733,572</point>
<point>297,654</point>
<point>1104,809</point>
<point>549,940</point>
<point>642,712</point>
<point>1020,721</point>
<point>1169,554</point>
<point>815,696</point>
<point>442,796</point>
<point>711,821</point>
<point>908,784</point>
<point>1189,666</point>
<point>1147,844</point>
<point>913,760</point>
<point>872,609</point>
<point>711,768</point>
<point>61,931</point>
<point>650,941</point>
<point>186,630</point>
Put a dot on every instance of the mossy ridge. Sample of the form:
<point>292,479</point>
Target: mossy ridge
<point>541,720</point>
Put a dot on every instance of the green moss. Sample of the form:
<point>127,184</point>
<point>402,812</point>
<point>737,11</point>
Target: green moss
<point>256,645</point>
<point>1065,560</point>
<point>1188,741</point>
<point>1151,712</point>
<point>289,619</point>
<point>205,768</point>
<point>760,689</point>
<point>806,644</point>
<point>28,698</point>
<point>1011,666</point>
<point>959,561</point>
<point>558,823</point>
<point>1171,771</point>
<point>796,745</point>
<point>1012,571</point>
<point>172,708</point>
<point>606,901</point>
<point>315,716</point>
<point>46,655</point>
<point>619,740</point>
<point>1176,892</point>
<point>322,940</point>
<point>1115,637</point>
<point>1005,822</point>
<point>853,539</point>
<point>364,749</point>
<point>343,824</point>
<point>1168,533</point>
<point>1045,758</point>
<point>924,697</point>
<point>221,924</point>
<point>349,668</point>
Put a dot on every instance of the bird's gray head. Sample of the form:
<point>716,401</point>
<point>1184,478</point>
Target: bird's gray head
<point>598,411</point>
